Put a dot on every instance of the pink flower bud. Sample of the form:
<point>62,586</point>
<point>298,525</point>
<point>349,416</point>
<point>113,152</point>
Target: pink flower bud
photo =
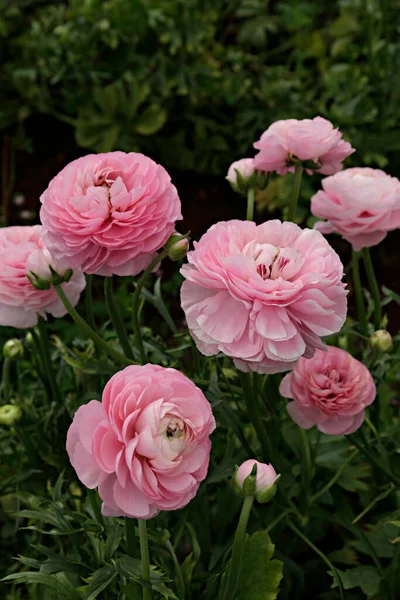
<point>242,175</point>
<point>266,479</point>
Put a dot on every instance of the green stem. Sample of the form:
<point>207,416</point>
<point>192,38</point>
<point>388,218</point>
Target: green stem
<point>320,554</point>
<point>144,552</point>
<point>46,359</point>
<point>5,380</point>
<point>135,305</point>
<point>181,582</point>
<point>307,471</point>
<point>359,293</point>
<point>334,479</point>
<point>374,288</point>
<point>295,192</point>
<point>238,543</point>
<point>250,204</point>
<point>248,382</point>
<point>130,536</point>
<point>89,301</point>
<point>81,323</point>
<point>116,317</point>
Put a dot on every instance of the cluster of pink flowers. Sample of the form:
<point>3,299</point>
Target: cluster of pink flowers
<point>264,295</point>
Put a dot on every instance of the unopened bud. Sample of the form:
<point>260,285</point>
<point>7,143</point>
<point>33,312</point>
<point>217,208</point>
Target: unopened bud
<point>381,340</point>
<point>9,414</point>
<point>177,246</point>
<point>13,348</point>
<point>257,479</point>
<point>242,175</point>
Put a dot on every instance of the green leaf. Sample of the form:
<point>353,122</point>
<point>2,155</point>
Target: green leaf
<point>97,582</point>
<point>131,567</point>
<point>260,576</point>
<point>367,578</point>
<point>151,120</point>
<point>62,585</point>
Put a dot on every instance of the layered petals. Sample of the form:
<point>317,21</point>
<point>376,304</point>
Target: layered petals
<point>22,252</point>
<point>360,204</point>
<point>146,446</point>
<point>264,295</point>
<point>109,213</point>
<point>313,140</point>
<point>331,390</point>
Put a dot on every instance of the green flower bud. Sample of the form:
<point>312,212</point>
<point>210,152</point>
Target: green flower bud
<point>9,414</point>
<point>381,340</point>
<point>13,348</point>
<point>177,246</point>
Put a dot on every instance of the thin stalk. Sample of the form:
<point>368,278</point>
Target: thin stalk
<point>130,536</point>
<point>334,479</point>
<point>135,305</point>
<point>320,554</point>
<point>46,359</point>
<point>359,294</point>
<point>116,317</point>
<point>237,550</point>
<point>181,582</point>
<point>307,470</point>
<point>374,288</point>
<point>89,301</point>
<point>144,552</point>
<point>81,323</point>
<point>250,204</point>
<point>254,416</point>
<point>295,192</point>
<point>5,380</point>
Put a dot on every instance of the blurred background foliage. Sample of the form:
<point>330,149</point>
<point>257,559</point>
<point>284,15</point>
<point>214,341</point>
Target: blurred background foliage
<point>194,82</point>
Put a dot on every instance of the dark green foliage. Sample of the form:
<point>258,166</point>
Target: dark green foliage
<point>195,82</point>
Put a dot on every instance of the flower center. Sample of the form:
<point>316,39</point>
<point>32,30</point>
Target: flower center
<point>272,262</point>
<point>175,429</point>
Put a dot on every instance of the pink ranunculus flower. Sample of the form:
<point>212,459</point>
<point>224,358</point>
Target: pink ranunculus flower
<point>245,166</point>
<point>109,213</point>
<point>309,139</point>
<point>23,251</point>
<point>146,446</point>
<point>262,294</point>
<point>361,204</point>
<point>331,391</point>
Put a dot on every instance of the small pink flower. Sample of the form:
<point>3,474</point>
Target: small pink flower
<point>109,213</point>
<point>266,474</point>
<point>262,294</point>
<point>146,446</point>
<point>330,390</point>
<point>245,166</point>
<point>307,140</point>
<point>22,251</point>
<point>361,204</point>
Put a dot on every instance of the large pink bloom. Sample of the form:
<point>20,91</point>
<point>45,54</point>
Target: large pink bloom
<point>109,213</point>
<point>262,294</point>
<point>361,204</point>
<point>331,391</point>
<point>309,139</point>
<point>22,250</point>
<point>146,446</point>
